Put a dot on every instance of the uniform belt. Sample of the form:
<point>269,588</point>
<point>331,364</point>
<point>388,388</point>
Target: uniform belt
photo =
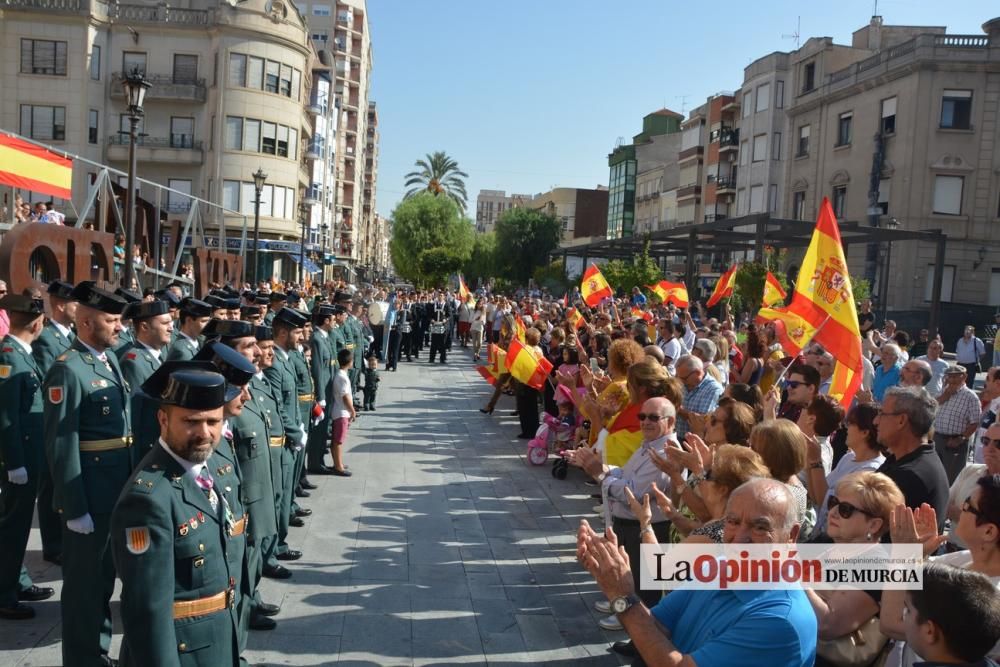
<point>350,346</point>
<point>277,441</point>
<point>239,527</point>
<point>305,397</point>
<point>105,445</point>
<point>203,606</point>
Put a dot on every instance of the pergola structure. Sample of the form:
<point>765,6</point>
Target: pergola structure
<point>751,234</point>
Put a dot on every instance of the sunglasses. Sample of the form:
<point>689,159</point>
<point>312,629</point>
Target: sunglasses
<point>844,509</point>
<point>990,441</point>
<point>793,384</point>
<point>652,418</point>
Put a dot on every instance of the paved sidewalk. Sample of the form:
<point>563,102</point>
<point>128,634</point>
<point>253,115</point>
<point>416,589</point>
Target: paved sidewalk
<point>445,547</point>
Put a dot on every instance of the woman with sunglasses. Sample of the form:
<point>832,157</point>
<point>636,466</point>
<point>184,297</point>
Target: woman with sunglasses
<point>967,480</point>
<point>730,423</point>
<point>859,512</point>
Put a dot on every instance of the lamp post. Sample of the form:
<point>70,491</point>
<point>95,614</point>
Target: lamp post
<point>258,184</point>
<point>135,86</point>
<point>304,210</point>
<point>883,293</point>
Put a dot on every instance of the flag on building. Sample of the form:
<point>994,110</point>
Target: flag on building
<point>671,292</point>
<point>723,288</point>
<point>27,166</point>
<point>822,308</point>
<point>594,287</point>
<point>773,291</point>
<point>527,366</point>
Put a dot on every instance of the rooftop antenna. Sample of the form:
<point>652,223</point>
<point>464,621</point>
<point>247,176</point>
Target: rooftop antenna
<point>684,104</point>
<point>798,30</point>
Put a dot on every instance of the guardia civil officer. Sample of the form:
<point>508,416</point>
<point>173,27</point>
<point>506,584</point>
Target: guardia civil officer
<point>306,400</point>
<point>322,367</point>
<point>21,452</point>
<point>126,336</point>
<point>194,315</point>
<point>88,438</point>
<point>172,532</point>
<point>276,301</point>
<point>139,360</point>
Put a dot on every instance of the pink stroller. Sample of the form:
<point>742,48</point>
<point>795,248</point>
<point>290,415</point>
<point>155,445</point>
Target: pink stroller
<point>556,432</point>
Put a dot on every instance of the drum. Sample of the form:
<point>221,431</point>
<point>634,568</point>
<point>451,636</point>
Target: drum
<point>438,327</point>
<point>376,312</point>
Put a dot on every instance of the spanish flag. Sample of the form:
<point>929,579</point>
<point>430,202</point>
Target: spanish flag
<point>723,288</point>
<point>773,292</point>
<point>463,289</point>
<point>822,307</point>
<point>494,366</point>
<point>624,435</point>
<point>519,328</point>
<point>574,317</point>
<point>671,292</point>
<point>594,287</point>
<point>527,366</point>
<point>30,167</point>
<point>642,314</point>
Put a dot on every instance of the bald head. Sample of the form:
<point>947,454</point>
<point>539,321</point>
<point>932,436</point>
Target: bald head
<point>761,510</point>
<point>654,352</point>
<point>916,373</point>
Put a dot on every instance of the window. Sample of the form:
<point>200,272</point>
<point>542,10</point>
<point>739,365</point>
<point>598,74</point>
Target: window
<point>844,128</point>
<point>757,199</point>
<point>247,196</point>
<point>776,146</point>
<point>799,206</point>
<point>994,293</point>
<point>839,200</point>
<point>772,199</point>
<point>234,133</point>
<point>764,97</point>
<point>181,132</point>
<point>271,75</point>
<point>255,73</point>
<point>38,122</point>
<point>39,56</point>
<point>251,135</point>
<point>237,70</point>
<point>803,147</point>
<point>808,77</point>
<point>175,201</point>
<point>883,195</point>
<point>760,148</point>
<point>286,81</point>
<point>320,36</point>
<point>947,283</point>
<point>268,138</point>
<point>779,94</point>
<point>948,194</point>
<point>283,141</point>
<point>266,197</point>
<point>278,205</point>
<point>93,120</point>
<point>747,103</point>
<point>185,68</point>
<point>741,201</point>
<point>744,152</point>
<point>133,61</point>
<point>888,125</point>
<point>95,63</point>
<point>231,195</point>
<point>956,110</point>
<point>123,128</point>
<point>293,144</point>
<point>296,83</point>
<point>321,10</point>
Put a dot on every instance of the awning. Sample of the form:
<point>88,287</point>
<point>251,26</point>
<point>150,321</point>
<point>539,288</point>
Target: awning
<point>311,266</point>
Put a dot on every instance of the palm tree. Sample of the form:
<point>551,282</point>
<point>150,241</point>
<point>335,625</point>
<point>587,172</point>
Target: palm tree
<point>438,174</point>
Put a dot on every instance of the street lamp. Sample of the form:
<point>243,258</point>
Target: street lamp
<point>258,184</point>
<point>304,214</point>
<point>135,86</point>
<point>891,224</point>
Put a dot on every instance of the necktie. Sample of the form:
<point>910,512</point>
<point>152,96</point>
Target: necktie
<point>205,482</point>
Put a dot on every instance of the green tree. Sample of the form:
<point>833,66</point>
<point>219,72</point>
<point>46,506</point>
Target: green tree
<point>641,271</point>
<point>430,239</point>
<point>439,175</point>
<point>552,278</point>
<point>524,240</point>
<point>482,264</point>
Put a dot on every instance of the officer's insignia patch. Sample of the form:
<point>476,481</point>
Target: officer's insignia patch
<point>182,529</point>
<point>8,349</point>
<point>194,523</point>
<point>98,384</point>
<point>130,355</point>
<point>4,372</point>
<point>55,395</point>
<point>137,540</point>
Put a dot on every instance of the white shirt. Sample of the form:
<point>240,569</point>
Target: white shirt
<point>24,346</point>
<point>674,349</point>
<point>193,469</point>
<point>638,474</point>
<point>969,351</point>
<point>342,396</point>
<point>155,353</point>
<point>65,331</point>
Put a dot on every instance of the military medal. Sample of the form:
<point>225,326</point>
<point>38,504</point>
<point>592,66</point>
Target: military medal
<point>182,529</point>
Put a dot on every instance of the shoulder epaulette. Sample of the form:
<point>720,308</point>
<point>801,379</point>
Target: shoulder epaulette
<point>7,349</point>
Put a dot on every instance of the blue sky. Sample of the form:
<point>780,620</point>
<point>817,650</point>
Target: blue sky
<point>528,95</point>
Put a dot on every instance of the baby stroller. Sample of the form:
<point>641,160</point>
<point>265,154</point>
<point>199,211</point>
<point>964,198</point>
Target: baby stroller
<point>555,433</point>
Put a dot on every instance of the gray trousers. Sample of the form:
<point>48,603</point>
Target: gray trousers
<point>953,458</point>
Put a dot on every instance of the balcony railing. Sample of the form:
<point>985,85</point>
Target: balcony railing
<point>158,14</point>
<point>178,141</point>
<point>725,183</point>
<point>164,87</point>
<point>312,195</point>
<point>688,191</point>
<point>729,138</point>
<point>177,149</point>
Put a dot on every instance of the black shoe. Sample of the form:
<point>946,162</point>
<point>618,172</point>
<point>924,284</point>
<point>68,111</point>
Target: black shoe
<point>17,612</point>
<point>276,572</point>
<point>309,486</point>
<point>303,511</point>
<point>341,473</point>
<point>55,559</point>
<point>325,470</point>
<point>267,609</point>
<point>302,493</point>
<point>371,408</point>
<point>258,622</point>
<point>486,411</point>
<point>625,648</point>
<point>296,522</point>
<point>291,554</point>
<point>35,593</point>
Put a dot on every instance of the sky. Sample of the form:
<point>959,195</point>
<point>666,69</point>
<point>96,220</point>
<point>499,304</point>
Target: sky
<point>530,95</point>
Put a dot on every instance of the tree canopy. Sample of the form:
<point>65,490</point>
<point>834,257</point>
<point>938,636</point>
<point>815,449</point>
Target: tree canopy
<point>524,240</point>
<point>430,240</point>
<point>641,271</point>
<point>439,175</point>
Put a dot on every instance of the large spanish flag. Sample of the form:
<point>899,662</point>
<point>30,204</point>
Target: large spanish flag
<point>526,365</point>
<point>671,292</point>
<point>494,366</point>
<point>463,289</point>
<point>624,435</point>
<point>723,288</point>
<point>27,166</point>
<point>773,291</point>
<point>594,287</point>
<point>822,307</point>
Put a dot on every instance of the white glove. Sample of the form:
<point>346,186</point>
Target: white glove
<point>303,439</point>
<point>18,476</point>
<point>83,524</point>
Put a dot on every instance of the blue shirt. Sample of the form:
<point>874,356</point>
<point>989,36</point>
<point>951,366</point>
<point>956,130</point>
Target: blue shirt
<point>884,379</point>
<point>769,628</point>
<point>639,300</point>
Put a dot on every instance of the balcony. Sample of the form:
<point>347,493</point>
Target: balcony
<point>178,149</point>
<point>712,217</point>
<point>690,154</point>
<point>164,87</point>
<point>688,192</point>
<point>312,196</point>
<point>313,152</point>
<point>729,140</point>
<point>316,109</point>
<point>725,185</point>
<point>729,107</point>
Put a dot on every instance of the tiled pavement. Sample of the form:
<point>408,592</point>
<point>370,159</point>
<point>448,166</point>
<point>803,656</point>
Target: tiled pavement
<point>445,547</point>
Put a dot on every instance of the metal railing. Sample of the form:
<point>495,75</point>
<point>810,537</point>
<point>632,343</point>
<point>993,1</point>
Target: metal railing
<point>164,86</point>
<point>179,141</point>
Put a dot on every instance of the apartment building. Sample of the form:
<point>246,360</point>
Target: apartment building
<point>582,212</point>
<point>657,176</point>
<point>490,205</point>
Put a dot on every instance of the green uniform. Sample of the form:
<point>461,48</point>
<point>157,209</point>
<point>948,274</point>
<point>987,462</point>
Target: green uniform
<point>125,339</point>
<point>171,547</point>
<point>321,369</point>
<point>49,345</point>
<point>282,379</point>
<point>338,342</point>
<point>306,398</point>
<point>87,437</point>
<point>183,349</point>
<point>20,447</point>
<point>267,405</point>
<point>138,363</point>
<point>269,316</point>
<point>229,479</point>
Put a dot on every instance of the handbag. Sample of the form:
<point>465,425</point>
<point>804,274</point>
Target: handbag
<point>861,648</point>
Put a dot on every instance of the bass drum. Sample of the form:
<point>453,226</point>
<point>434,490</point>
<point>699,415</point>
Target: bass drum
<point>376,312</point>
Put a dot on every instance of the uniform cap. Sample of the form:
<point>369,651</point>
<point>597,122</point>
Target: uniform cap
<point>233,366</point>
<point>195,308</point>
<point>128,295</point>
<point>21,303</point>
<point>60,289</point>
<point>262,332</point>
<point>145,309</point>
<point>228,329</point>
<point>289,318</point>
<point>92,296</point>
<point>195,390</point>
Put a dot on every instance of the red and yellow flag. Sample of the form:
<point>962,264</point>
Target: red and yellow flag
<point>494,366</point>
<point>642,314</point>
<point>519,328</point>
<point>624,435</point>
<point>30,167</point>
<point>723,288</point>
<point>671,292</point>
<point>527,366</point>
<point>773,291</point>
<point>574,317</point>
<point>822,307</point>
<point>463,289</point>
<point>594,287</point>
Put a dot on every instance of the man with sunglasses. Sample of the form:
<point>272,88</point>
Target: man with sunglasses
<point>802,386</point>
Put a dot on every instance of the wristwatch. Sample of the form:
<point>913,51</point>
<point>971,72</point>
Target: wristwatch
<point>622,604</point>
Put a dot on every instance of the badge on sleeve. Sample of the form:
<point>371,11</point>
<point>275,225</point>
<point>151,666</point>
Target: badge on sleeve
<point>55,395</point>
<point>137,540</point>
<point>4,372</point>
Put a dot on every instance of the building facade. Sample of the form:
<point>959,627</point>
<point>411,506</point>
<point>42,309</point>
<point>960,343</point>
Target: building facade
<point>490,205</point>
